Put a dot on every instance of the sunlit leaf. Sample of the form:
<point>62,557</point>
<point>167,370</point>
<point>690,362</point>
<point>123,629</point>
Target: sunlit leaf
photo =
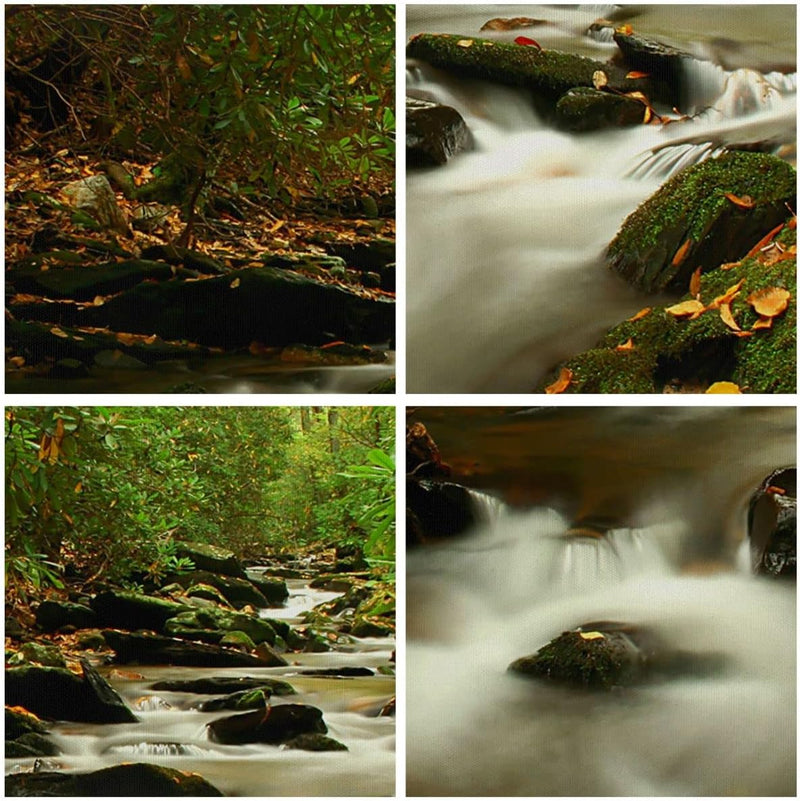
<point>527,42</point>
<point>770,302</point>
<point>727,317</point>
<point>680,253</point>
<point>235,283</point>
<point>694,283</point>
<point>561,383</point>
<point>723,388</point>
<point>685,308</point>
<point>592,635</point>
<point>634,74</point>
<point>761,323</point>
<point>728,296</point>
<point>465,43</point>
<point>599,79</point>
<point>626,345</point>
<point>58,332</point>
<point>641,313</point>
<point>744,202</point>
<point>764,241</point>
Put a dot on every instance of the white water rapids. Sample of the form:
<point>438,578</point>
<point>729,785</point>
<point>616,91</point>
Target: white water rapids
<point>502,592</point>
<point>505,243</point>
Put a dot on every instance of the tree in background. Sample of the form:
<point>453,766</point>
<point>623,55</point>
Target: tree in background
<point>108,491</point>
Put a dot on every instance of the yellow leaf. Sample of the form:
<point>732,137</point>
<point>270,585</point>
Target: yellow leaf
<point>561,383</point>
<point>727,317</point>
<point>17,361</point>
<point>639,314</point>
<point>353,78</point>
<point>761,322</point>
<point>686,308</point>
<point>694,283</point>
<point>78,487</point>
<point>730,293</point>
<point>723,388</point>
<point>58,332</point>
<point>626,345</point>
<point>235,283</point>
<point>634,74</point>
<point>625,30</point>
<point>680,253</point>
<point>99,300</point>
<point>599,79</point>
<point>592,635</point>
<point>464,43</point>
<point>770,302</point>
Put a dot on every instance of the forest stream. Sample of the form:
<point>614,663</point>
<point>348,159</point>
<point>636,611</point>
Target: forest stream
<point>634,528</point>
<point>505,269</point>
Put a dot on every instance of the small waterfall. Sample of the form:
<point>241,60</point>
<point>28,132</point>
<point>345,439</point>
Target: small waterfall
<point>488,508</point>
<point>157,750</point>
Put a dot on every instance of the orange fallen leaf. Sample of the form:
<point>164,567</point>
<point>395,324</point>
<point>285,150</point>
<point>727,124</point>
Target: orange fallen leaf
<point>58,332</point>
<point>723,388</point>
<point>773,490</point>
<point>742,334</point>
<point>694,283</point>
<point>625,30</point>
<point>626,345</point>
<point>764,241</point>
<point>332,344</point>
<point>744,202</point>
<point>464,43</point>
<point>633,74</point>
<point>686,308</point>
<point>17,361</point>
<point>680,253</point>
<point>730,293</point>
<point>761,322</point>
<point>561,383</point>
<point>235,283</point>
<point>792,224</point>
<point>770,302</point>
<point>639,314</point>
<point>729,265</point>
<point>727,317</point>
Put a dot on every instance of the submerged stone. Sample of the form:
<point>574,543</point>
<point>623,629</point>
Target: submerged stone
<point>218,685</point>
<point>315,742</point>
<point>274,725</point>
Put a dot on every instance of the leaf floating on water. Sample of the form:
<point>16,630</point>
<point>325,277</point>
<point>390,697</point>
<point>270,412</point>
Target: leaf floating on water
<point>727,317</point>
<point>723,388</point>
<point>639,314</point>
<point>592,635</point>
<point>744,202</point>
<point>770,302</point>
<point>694,283</point>
<point>599,79</point>
<point>680,253</point>
<point>561,383</point>
<point>626,345</point>
<point>526,42</point>
<point>465,43</point>
<point>686,308</point>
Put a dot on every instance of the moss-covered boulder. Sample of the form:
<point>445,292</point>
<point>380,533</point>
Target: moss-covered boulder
<point>207,593</point>
<point>238,592</point>
<point>215,619</point>
<point>546,73</point>
<point>237,639</point>
<point>660,352</point>
<point>273,589</point>
<point>40,654</point>
<point>52,615</point>
<point>706,215</point>
<point>245,699</point>
<point>211,558</point>
<point>136,779</point>
<point>587,109</point>
<point>132,610</point>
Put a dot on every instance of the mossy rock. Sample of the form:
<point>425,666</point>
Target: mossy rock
<point>315,742</point>
<point>215,619</point>
<point>206,592</point>
<point>238,639</point>
<point>708,214</point>
<point>217,685</point>
<point>91,640</point>
<point>246,699</point>
<point>211,557</point>
<point>670,352</point>
<point>587,109</point>
<point>20,722</point>
<point>47,655</point>
<point>31,745</point>
<point>366,627</point>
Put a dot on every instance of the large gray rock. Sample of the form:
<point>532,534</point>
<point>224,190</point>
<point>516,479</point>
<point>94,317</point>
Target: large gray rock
<point>95,196</point>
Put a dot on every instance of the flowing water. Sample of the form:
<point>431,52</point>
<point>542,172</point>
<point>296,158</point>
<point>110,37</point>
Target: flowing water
<point>505,243</point>
<point>171,733</point>
<point>674,560</point>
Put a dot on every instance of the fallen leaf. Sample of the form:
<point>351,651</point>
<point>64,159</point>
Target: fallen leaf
<point>526,42</point>
<point>730,293</point>
<point>727,317</point>
<point>626,345</point>
<point>765,241</point>
<point>561,383</point>
<point>686,308</point>
<point>99,300</point>
<point>680,253</point>
<point>723,388</point>
<point>625,30</point>
<point>694,283</point>
<point>634,74</point>
<point>235,283</point>
<point>761,322</point>
<point>465,43</point>
<point>58,332</point>
<point>742,334</point>
<point>506,24</point>
<point>639,314</point>
<point>744,202</point>
<point>729,265</point>
<point>592,635</point>
<point>770,302</point>
<point>648,115</point>
<point>773,490</point>
<point>599,79</point>
<point>17,361</point>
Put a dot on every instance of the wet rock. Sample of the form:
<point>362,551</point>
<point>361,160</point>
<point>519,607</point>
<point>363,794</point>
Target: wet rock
<point>587,109</point>
<point>316,644</point>
<point>345,672</point>
<point>772,525</point>
<point>315,742</point>
<point>69,369</point>
<point>546,73</point>
<point>94,196</point>
<point>691,221</point>
<point>132,610</point>
<point>215,620</point>
<point>274,725</point>
<point>224,684</point>
<point>273,589</point>
<point>437,510</point>
<point>246,699</point>
<point>144,649</point>
<point>237,639</point>
<point>333,355</point>
<point>59,694</point>
<point>52,615</point>
<point>238,592</point>
<point>137,779</point>
<point>366,627</point>
<point>211,558</point>
<point>206,592</point>
<point>46,655</point>
<point>91,640</point>
<point>30,745</point>
<point>434,134</point>
<point>18,723</point>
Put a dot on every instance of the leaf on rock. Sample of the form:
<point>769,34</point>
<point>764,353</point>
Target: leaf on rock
<point>561,383</point>
<point>626,345</point>
<point>634,74</point>
<point>773,490</point>
<point>730,293</point>
<point>465,43</point>
<point>727,317</point>
<point>599,79</point>
<point>592,635</point>
<point>694,283</point>
<point>680,253</point>
<point>770,302</point>
<point>625,30</point>
<point>764,241</point>
<point>639,314</point>
<point>723,388</point>
<point>235,283</point>
<point>526,42</point>
<point>761,322</point>
<point>686,308</point>
<point>744,202</point>
<point>58,332</point>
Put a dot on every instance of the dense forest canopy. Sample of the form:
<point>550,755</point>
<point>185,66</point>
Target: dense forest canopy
<point>281,98</point>
<point>108,491</point>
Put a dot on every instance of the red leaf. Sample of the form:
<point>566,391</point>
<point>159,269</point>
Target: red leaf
<point>524,40</point>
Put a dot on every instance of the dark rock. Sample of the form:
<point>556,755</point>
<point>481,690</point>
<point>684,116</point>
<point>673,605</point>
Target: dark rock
<point>19,723</point>
<point>315,742</point>
<point>188,623</point>
<point>224,684</point>
<point>340,671</point>
<point>190,259</point>
<point>211,558</point>
<point>277,724</point>
<point>434,134</point>
<point>269,657</point>
<point>52,615</point>
<point>69,368</point>
<point>91,640</point>
<point>690,222</point>
<point>31,744</point>
<point>772,525</point>
<point>137,779</point>
<point>238,592</point>
<point>152,649</point>
<point>14,628</point>
<point>59,694</point>
<point>364,627</point>
<point>274,590</point>
<point>588,109</point>
<point>437,510</point>
<point>117,360</point>
<point>205,591</point>
<point>246,699</point>
<point>237,639</point>
<point>131,610</point>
